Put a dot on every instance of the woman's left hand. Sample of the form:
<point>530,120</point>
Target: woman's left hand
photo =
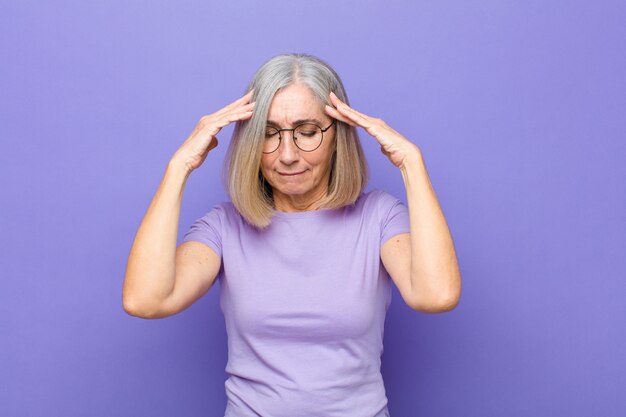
<point>395,146</point>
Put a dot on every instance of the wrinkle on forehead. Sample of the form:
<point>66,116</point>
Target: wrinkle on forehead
<point>291,104</point>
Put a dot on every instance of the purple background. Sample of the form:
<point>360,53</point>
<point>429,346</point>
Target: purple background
<point>518,107</point>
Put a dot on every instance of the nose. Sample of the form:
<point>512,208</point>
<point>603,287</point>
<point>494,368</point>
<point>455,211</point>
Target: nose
<point>288,151</point>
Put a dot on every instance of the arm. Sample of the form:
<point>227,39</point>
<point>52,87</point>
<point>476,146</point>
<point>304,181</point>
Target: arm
<point>151,267</point>
<point>161,279</point>
<point>422,263</point>
<point>434,272</point>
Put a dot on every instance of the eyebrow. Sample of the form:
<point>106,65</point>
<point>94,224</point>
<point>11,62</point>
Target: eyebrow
<point>297,122</point>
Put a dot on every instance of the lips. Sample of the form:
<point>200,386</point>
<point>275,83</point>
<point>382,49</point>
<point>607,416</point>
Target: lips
<point>288,174</point>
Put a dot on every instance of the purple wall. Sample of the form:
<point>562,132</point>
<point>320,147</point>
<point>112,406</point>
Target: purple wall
<point>517,106</point>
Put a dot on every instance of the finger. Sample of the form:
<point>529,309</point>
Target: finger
<point>246,115</point>
<point>245,107</point>
<point>337,101</point>
<point>354,115</point>
<point>244,99</point>
<point>238,109</point>
<point>365,116</point>
<point>336,115</point>
<point>334,99</point>
<point>232,117</point>
<point>214,127</point>
<point>242,109</point>
<point>343,106</point>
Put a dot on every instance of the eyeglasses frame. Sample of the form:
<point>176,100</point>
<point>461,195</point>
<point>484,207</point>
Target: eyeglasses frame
<point>280,137</point>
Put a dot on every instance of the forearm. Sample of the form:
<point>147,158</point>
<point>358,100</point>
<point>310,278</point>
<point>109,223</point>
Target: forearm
<point>435,275</point>
<point>151,267</point>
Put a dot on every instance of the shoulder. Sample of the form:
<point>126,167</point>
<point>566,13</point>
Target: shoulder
<point>381,201</point>
<point>218,214</point>
<point>224,207</point>
<point>225,210</point>
<point>229,215</point>
<point>219,210</point>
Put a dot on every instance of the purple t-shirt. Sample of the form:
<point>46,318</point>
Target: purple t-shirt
<point>304,303</point>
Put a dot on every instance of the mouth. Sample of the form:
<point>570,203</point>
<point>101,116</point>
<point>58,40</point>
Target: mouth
<point>288,174</point>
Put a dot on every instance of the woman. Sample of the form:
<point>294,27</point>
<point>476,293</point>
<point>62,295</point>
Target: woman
<point>303,254</point>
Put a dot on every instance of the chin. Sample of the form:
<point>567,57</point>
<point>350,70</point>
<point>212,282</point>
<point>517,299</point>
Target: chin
<point>292,189</point>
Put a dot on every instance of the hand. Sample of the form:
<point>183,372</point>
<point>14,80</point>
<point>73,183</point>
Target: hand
<point>195,149</point>
<point>395,146</point>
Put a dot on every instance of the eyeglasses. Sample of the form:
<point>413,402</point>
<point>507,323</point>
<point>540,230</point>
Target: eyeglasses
<point>307,137</point>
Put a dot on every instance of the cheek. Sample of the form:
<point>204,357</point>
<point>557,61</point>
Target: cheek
<point>266,163</point>
<point>327,156</point>
<point>324,157</point>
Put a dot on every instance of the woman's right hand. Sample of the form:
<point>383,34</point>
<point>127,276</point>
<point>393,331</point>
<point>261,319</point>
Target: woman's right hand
<point>195,149</point>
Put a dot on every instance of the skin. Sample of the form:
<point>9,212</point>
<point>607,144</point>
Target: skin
<point>163,279</point>
<point>422,263</point>
<point>301,192</point>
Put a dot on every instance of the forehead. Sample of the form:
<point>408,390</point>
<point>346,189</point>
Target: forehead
<point>293,103</point>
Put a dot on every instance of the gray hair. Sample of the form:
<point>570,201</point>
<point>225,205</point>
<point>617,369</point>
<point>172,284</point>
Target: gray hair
<point>242,175</point>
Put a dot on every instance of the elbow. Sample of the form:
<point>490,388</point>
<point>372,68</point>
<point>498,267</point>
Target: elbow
<point>449,300</point>
<point>433,307</point>
<point>441,302</point>
<point>130,308</point>
<point>134,304</point>
<point>447,304</point>
<point>143,310</point>
<point>128,303</point>
<point>134,308</point>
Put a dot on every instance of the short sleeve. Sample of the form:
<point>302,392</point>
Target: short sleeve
<point>208,229</point>
<point>394,216</point>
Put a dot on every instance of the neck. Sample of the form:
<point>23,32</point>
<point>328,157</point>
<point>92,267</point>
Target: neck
<point>304,202</point>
